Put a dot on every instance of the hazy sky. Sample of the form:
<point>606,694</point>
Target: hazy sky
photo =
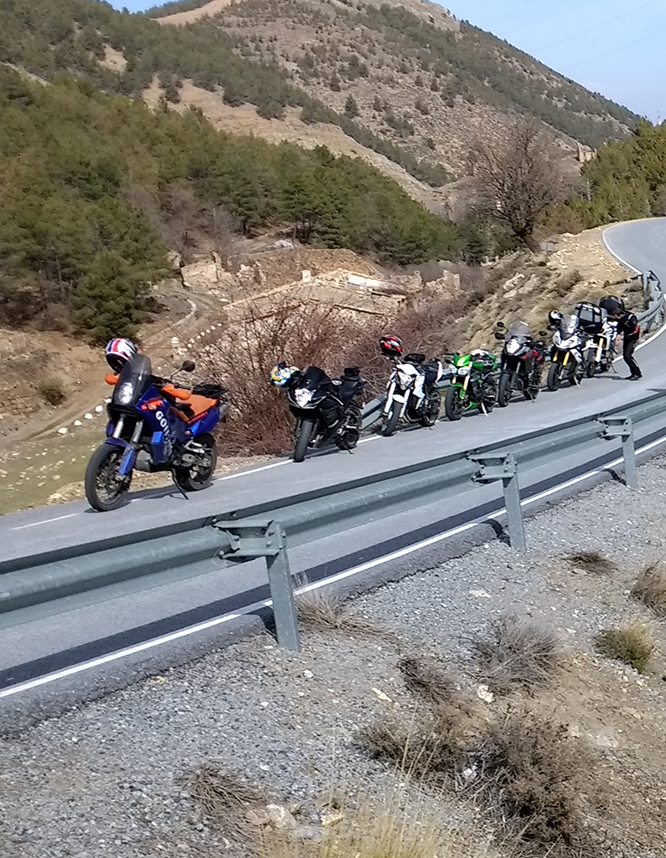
<point>610,46</point>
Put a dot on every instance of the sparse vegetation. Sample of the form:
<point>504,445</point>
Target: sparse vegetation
<point>650,588</point>
<point>226,798</point>
<point>592,561</point>
<point>52,391</point>
<point>632,644</point>
<point>325,612</point>
<point>518,652</point>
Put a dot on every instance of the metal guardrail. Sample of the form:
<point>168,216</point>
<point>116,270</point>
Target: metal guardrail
<point>261,530</point>
<point>651,318</point>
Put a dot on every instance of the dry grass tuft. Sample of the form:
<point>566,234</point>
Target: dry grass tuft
<point>632,644</point>
<point>650,588</point>
<point>324,612</point>
<point>226,798</point>
<point>532,772</point>
<point>427,681</point>
<point>518,652</point>
<point>592,561</point>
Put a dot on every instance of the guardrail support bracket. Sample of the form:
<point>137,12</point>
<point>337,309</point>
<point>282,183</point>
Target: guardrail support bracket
<point>622,427</point>
<point>504,468</point>
<point>247,540</point>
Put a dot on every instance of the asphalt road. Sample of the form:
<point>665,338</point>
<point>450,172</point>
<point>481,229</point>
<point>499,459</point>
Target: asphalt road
<point>38,642</point>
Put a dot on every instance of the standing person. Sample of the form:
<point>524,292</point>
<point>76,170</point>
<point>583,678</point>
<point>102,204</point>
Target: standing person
<point>627,325</point>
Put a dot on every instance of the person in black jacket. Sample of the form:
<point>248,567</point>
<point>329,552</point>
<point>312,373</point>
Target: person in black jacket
<point>627,325</point>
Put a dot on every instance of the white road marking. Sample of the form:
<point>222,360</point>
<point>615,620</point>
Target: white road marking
<point>46,521</point>
<point>340,576</point>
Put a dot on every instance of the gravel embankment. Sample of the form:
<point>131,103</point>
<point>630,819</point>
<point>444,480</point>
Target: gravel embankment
<point>103,781</point>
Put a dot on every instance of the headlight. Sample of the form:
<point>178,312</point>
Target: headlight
<point>303,397</point>
<point>405,380</point>
<point>513,346</point>
<point>126,393</point>
<point>569,343</point>
<point>462,370</point>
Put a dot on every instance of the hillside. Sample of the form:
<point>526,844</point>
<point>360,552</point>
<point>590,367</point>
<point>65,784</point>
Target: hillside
<point>402,84</point>
<point>406,71</point>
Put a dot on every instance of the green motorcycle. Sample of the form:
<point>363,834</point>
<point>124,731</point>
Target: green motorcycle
<point>473,384</point>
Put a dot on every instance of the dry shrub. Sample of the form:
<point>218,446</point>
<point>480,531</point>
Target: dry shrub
<point>532,772</point>
<point>226,799</point>
<point>325,612</point>
<point>632,644</point>
<point>650,588</point>
<point>518,652</point>
<point>52,391</point>
<point>425,679</point>
<point>592,561</point>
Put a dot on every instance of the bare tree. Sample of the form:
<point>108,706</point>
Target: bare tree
<point>516,181</point>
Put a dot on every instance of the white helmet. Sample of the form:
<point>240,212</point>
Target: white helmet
<point>118,352</point>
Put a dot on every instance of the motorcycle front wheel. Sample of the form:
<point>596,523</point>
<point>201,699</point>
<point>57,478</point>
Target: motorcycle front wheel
<point>303,441</point>
<point>454,404</point>
<point>198,477</point>
<point>391,419</point>
<point>505,389</point>
<point>554,376</point>
<point>105,488</point>
<point>431,409</point>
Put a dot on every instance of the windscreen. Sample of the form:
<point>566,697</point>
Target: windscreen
<point>134,381</point>
<point>520,330</point>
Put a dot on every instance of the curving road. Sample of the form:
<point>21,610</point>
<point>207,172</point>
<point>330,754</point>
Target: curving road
<point>130,615</point>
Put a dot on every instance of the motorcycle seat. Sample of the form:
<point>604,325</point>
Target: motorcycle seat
<point>198,406</point>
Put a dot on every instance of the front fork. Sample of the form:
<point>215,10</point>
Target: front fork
<point>130,448</point>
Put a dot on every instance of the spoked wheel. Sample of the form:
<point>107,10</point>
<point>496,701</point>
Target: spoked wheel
<point>454,403</point>
<point>105,488</point>
<point>554,376</point>
<point>199,476</point>
<point>432,408</point>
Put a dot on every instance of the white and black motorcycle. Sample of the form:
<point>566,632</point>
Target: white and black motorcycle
<point>566,354</point>
<point>411,392</point>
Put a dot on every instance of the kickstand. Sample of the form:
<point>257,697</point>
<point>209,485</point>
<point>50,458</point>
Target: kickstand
<point>483,409</point>
<point>182,491</point>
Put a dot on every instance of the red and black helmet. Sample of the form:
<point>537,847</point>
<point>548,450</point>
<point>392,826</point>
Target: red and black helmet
<point>391,346</point>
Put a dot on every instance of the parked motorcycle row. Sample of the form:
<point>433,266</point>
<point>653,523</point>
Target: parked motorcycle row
<point>155,425</point>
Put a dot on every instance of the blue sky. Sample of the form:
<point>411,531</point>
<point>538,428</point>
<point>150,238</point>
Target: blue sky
<point>610,46</point>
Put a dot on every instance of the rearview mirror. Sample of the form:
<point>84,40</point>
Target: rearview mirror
<point>188,366</point>
<point>543,333</point>
<point>500,324</point>
<point>499,335</point>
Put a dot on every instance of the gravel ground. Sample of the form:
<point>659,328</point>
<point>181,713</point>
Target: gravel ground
<point>104,780</point>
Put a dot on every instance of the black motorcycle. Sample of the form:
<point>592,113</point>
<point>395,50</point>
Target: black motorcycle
<point>521,363</point>
<point>326,409</point>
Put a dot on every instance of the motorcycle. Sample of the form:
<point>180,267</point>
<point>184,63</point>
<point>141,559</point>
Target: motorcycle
<point>473,384</point>
<point>325,409</point>
<point>154,426</point>
<point>566,354</point>
<point>411,394</point>
<point>599,332</point>
<point>521,363</point>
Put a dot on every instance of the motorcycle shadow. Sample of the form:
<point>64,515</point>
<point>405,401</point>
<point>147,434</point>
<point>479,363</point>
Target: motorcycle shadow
<point>146,494</point>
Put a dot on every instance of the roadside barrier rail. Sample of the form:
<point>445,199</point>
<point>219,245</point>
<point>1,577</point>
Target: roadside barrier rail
<point>262,530</point>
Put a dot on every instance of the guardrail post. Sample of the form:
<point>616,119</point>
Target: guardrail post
<point>622,427</point>
<point>505,468</point>
<point>245,540</point>
<point>282,589</point>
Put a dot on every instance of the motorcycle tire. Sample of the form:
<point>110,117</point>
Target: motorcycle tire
<point>554,376</point>
<point>303,440</point>
<point>391,420</point>
<point>351,433</point>
<point>433,406</point>
<point>100,493</point>
<point>532,392</point>
<point>489,401</point>
<point>453,404</point>
<point>590,368</point>
<point>504,391</point>
<point>194,478</point>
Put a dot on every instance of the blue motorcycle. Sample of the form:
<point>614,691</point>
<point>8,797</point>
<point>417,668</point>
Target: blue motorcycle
<point>154,426</point>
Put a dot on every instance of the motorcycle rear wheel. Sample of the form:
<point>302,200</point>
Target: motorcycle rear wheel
<point>454,404</point>
<point>391,420</point>
<point>195,478</point>
<point>105,488</point>
<point>303,440</point>
<point>554,376</point>
<point>591,368</point>
<point>432,407</point>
